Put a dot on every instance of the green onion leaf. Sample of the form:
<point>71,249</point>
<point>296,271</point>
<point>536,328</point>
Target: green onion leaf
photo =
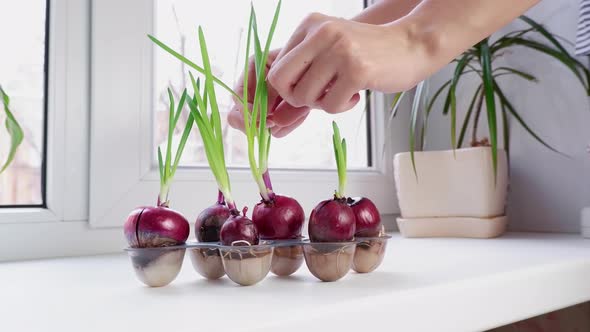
<point>170,132</point>
<point>179,108</point>
<point>161,166</point>
<point>340,155</point>
<point>210,92</point>
<point>255,120</point>
<point>191,64</point>
<point>187,130</point>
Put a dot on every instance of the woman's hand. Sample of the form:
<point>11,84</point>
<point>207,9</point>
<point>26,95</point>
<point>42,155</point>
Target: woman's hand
<point>325,64</point>
<point>283,117</point>
<point>329,60</point>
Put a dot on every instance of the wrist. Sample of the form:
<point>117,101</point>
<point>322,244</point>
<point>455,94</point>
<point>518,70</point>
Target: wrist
<point>419,40</point>
<point>385,11</point>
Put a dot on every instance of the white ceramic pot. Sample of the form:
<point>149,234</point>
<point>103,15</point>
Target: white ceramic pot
<point>453,194</point>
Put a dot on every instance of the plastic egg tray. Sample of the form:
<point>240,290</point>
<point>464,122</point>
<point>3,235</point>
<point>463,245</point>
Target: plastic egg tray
<point>249,264</point>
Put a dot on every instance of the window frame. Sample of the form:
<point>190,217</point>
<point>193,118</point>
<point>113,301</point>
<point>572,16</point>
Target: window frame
<point>83,213</point>
<point>43,169</point>
<point>65,123</point>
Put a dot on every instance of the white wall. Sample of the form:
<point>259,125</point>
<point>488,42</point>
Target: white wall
<point>547,190</point>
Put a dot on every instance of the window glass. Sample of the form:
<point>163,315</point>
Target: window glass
<point>23,77</point>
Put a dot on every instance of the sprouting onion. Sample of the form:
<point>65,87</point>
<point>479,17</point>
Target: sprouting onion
<point>342,218</point>
<point>333,220</point>
<point>160,226</point>
<point>341,163</point>
<point>205,110</point>
<point>277,217</point>
<point>255,119</point>
<point>167,166</point>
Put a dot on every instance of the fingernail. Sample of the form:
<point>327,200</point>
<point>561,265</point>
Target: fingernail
<point>270,123</point>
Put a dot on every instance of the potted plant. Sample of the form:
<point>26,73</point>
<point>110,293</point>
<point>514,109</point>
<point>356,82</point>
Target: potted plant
<point>14,130</point>
<point>462,192</point>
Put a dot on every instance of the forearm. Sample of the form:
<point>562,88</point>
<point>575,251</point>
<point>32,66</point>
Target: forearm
<point>440,30</point>
<point>386,11</point>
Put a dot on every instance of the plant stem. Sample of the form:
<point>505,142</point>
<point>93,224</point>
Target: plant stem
<point>268,185</point>
<point>341,186</point>
<point>220,198</point>
<point>262,189</point>
<point>257,134</point>
<point>163,196</point>
<point>340,155</point>
<point>231,204</point>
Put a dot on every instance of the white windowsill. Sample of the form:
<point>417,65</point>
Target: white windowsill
<point>423,285</point>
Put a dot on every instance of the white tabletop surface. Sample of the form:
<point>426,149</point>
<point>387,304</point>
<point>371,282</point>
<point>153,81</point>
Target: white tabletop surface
<point>423,285</point>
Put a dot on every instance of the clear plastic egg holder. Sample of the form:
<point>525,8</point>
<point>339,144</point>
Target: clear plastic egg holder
<point>249,264</point>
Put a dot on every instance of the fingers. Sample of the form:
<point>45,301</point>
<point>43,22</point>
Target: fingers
<point>280,132</point>
<point>340,97</point>
<point>313,83</point>
<point>286,114</point>
<point>287,71</point>
<point>273,96</point>
<point>239,86</point>
<point>235,118</point>
<point>299,34</point>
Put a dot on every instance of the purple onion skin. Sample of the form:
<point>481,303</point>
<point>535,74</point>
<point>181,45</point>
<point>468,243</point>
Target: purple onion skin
<point>280,219</point>
<point>238,228</point>
<point>332,221</point>
<point>368,219</point>
<point>155,226</point>
<point>209,222</point>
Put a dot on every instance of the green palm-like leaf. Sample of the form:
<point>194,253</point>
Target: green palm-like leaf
<point>436,95</point>
<point>467,118</point>
<point>488,88</point>
<point>397,98</point>
<point>452,92</point>
<point>504,41</point>
<point>519,119</point>
<point>413,122</point>
<point>423,101</point>
<point>14,130</point>
<point>575,66</point>
<point>539,28</point>
<point>500,71</point>
<point>506,128</point>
